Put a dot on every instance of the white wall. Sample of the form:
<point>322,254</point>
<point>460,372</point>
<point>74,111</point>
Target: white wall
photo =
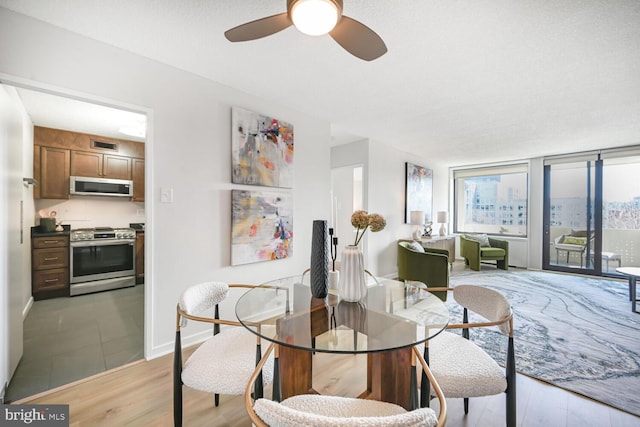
<point>12,238</point>
<point>384,179</point>
<point>188,150</point>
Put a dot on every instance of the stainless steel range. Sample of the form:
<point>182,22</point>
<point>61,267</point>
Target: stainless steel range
<point>102,258</point>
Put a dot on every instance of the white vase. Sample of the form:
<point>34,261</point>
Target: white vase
<point>352,286</point>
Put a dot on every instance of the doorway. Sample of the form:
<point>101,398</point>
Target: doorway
<point>592,212</point>
<point>347,196</point>
<point>69,338</point>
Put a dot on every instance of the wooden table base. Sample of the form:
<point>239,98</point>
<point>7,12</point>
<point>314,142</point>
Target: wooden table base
<point>388,375</point>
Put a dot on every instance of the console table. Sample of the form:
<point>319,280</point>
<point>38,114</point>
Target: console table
<point>442,242</point>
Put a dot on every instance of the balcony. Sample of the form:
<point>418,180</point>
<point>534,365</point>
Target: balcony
<point>619,247</point>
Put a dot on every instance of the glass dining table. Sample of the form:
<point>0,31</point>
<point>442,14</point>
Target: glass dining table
<point>393,317</point>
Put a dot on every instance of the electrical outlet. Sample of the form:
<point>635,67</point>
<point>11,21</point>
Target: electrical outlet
<point>166,195</point>
<point>140,212</point>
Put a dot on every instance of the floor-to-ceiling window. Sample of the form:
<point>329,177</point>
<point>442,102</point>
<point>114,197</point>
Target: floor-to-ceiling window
<point>592,212</point>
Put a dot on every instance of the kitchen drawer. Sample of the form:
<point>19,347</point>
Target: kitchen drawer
<point>49,280</point>
<point>50,258</point>
<point>50,242</point>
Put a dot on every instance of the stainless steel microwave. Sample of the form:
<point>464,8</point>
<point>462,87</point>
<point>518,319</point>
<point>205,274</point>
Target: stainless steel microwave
<point>87,186</point>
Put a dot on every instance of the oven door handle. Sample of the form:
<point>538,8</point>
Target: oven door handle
<point>89,243</point>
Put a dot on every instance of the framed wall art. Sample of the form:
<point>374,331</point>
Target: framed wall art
<point>262,150</point>
<point>418,191</point>
<point>262,226</point>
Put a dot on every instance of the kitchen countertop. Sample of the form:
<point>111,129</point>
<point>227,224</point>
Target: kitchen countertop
<point>36,232</point>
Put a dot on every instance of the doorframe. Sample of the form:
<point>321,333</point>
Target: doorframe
<point>594,210</point>
<point>10,80</point>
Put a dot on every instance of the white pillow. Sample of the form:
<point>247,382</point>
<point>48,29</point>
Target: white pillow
<point>416,246</point>
<point>483,239</point>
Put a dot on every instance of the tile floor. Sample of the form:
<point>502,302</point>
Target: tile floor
<point>67,339</point>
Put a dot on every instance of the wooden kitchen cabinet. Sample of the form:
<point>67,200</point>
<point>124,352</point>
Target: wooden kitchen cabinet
<point>51,171</point>
<point>139,257</point>
<point>137,176</point>
<point>49,266</point>
<point>59,154</point>
<point>97,165</point>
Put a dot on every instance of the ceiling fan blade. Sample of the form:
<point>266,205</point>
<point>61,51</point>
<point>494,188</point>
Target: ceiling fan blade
<point>358,39</point>
<point>259,28</point>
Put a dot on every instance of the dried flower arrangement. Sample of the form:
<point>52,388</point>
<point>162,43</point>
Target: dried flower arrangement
<point>362,220</point>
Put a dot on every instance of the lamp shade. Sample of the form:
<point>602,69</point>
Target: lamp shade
<point>442,216</point>
<point>417,217</point>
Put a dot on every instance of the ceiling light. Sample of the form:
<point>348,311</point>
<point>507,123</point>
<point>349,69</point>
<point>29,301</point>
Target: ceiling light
<point>315,17</point>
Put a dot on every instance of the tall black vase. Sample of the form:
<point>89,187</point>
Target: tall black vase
<point>319,259</point>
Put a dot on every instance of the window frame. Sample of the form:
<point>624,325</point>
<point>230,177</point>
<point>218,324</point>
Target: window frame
<point>460,174</point>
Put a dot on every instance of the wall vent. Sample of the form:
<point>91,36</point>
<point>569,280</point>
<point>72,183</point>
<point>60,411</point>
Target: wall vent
<point>102,145</point>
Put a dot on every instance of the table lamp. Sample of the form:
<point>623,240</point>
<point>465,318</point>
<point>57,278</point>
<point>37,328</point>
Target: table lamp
<point>442,220</point>
<point>417,219</point>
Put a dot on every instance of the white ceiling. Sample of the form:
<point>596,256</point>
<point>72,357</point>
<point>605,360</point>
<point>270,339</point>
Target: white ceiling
<point>65,113</point>
<point>464,81</point>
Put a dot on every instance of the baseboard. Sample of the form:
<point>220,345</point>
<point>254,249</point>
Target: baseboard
<point>187,341</point>
<point>27,308</point>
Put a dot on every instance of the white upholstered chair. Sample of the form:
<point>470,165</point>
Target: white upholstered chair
<point>331,411</point>
<point>462,368</point>
<point>224,363</point>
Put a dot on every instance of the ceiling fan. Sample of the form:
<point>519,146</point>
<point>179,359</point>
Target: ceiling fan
<point>316,17</point>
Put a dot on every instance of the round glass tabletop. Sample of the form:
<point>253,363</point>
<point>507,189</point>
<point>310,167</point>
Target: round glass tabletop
<point>393,315</point>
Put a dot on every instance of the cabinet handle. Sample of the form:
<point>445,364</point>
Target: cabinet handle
<point>50,241</point>
<point>50,280</point>
<point>51,259</point>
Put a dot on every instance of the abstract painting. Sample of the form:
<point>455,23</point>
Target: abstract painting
<point>418,191</point>
<point>262,226</point>
<point>262,150</point>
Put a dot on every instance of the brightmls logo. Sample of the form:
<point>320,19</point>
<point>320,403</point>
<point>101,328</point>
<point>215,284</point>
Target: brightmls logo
<point>35,415</point>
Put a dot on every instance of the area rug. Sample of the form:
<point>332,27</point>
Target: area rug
<point>575,332</point>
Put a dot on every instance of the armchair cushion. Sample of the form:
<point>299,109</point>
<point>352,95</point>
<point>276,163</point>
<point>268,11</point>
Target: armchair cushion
<point>572,240</point>
<point>579,233</point>
<point>491,253</point>
<point>416,246</point>
<point>483,239</point>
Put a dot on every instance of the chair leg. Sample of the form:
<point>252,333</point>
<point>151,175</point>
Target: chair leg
<point>425,386</point>
<point>216,399</point>
<point>466,405</point>
<point>177,382</point>
<point>413,395</point>
<point>258,391</point>
<point>276,390</point>
<point>511,384</point>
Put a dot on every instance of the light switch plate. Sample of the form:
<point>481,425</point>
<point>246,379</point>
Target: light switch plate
<point>166,195</point>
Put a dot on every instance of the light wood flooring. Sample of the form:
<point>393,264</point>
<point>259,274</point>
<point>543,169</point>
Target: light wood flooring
<point>140,394</point>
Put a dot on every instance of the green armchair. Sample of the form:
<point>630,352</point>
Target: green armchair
<point>429,266</point>
<point>476,248</point>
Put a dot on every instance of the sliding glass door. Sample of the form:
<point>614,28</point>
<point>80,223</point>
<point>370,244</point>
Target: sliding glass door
<point>569,215</point>
<point>592,213</point>
<point>620,213</point>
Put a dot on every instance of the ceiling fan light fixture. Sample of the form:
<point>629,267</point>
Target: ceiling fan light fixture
<point>315,17</point>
